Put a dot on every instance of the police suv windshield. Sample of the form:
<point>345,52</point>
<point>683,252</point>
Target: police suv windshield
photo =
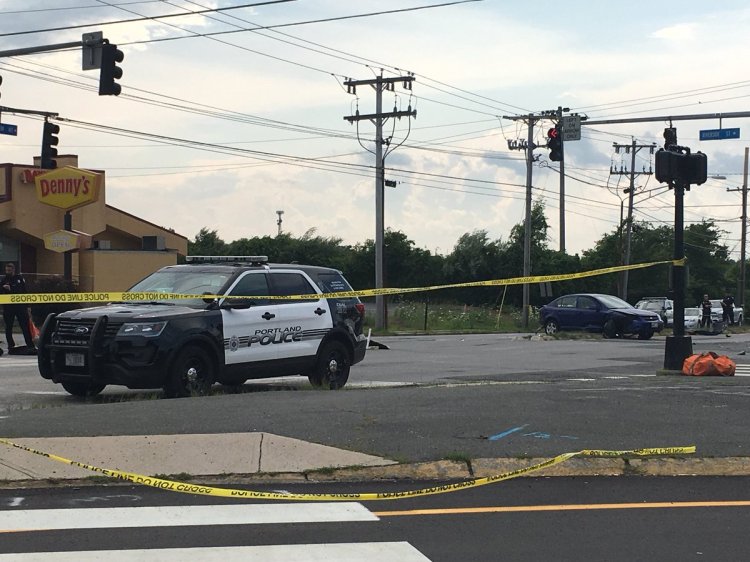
<point>180,281</point>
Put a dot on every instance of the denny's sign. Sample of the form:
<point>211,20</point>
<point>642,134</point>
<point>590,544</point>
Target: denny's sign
<point>68,188</point>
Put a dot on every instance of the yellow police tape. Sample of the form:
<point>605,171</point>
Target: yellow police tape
<point>201,490</point>
<point>124,296</point>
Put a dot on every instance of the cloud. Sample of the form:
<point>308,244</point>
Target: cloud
<point>679,33</point>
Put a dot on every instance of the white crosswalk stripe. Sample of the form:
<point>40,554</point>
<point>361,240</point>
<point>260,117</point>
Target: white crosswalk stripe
<point>29,520</point>
<point>9,362</point>
<point>178,516</point>
<point>332,552</point>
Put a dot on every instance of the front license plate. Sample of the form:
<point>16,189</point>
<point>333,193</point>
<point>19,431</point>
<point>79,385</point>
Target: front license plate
<point>74,360</point>
<point>654,324</point>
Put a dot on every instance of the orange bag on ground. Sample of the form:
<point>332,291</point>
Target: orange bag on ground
<point>725,365</point>
<point>708,364</point>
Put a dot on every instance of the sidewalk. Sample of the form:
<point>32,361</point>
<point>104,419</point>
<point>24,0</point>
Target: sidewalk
<point>236,457</point>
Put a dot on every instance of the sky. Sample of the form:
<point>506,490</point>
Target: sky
<point>227,117</point>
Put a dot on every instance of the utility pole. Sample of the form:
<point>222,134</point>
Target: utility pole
<point>378,119</point>
<point>744,232</point>
<point>529,146</point>
<point>632,149</point>
<point>743,235</point>
<point>278,222</point>
<point>560,110</point>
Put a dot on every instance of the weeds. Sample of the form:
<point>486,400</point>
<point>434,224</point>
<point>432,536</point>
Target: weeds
<point>428,317</point>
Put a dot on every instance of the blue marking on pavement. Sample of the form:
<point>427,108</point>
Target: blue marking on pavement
<point>538,435</point>
<point>506,433</point>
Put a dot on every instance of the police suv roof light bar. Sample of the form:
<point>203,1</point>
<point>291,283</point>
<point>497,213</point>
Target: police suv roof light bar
<point>227,259</point>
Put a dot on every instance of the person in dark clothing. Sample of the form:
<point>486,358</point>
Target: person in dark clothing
<point>14,283</point>
<point>727,305</point>
<point>705,312</point>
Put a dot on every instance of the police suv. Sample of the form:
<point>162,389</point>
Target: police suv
<point>186,345</point>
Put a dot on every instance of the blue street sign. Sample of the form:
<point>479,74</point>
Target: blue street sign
<point>8,129</point>
<point>720,134</point>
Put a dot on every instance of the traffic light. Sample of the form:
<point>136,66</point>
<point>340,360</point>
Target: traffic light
<point>670,137</point>
<point>554,143</point>
<point>49,142</point>
<point>110,72</point>
<point>685,169</point>
<point>697,168</point>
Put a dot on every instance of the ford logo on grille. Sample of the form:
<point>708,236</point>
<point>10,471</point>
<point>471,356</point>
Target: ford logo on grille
<point>81,330</point>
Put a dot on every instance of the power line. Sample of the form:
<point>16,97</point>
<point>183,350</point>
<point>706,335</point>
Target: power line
<point>70,8</point>
<point>160,17</point>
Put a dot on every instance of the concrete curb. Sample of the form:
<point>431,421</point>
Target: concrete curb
<point>445,471</point>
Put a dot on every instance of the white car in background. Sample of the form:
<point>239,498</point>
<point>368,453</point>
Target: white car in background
<point>661,305</point>
<point>717,312</point>
<point>692,319</point>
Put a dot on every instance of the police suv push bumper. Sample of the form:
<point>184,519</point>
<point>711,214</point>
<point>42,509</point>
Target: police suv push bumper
<point>118,348</point>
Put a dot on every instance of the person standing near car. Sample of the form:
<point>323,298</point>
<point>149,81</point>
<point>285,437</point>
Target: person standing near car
<point>14,283</point>
<point>705,312</point>
<point>727,305</point>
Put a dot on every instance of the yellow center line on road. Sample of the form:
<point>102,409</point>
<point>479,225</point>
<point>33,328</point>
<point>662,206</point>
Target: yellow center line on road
<point>562,507</point>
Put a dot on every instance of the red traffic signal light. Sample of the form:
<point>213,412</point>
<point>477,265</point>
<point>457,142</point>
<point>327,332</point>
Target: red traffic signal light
<point>554,143</point>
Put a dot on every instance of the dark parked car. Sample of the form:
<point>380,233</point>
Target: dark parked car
<point>599,313</point>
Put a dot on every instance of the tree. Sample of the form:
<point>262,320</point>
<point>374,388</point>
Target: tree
<point>708,262</point>
<point>405,265</point>
<point>207,243</point>
<point>474,258</point>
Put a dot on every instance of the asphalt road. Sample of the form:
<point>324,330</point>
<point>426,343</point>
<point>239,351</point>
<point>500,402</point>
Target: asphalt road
<point>615,519</point>
<point>477,396</point>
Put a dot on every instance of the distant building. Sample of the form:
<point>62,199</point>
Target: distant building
<point>116,250</point>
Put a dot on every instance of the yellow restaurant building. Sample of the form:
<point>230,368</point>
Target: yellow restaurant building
<point>111,249</point>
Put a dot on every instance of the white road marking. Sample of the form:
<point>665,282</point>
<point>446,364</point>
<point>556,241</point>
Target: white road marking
<point>335,552</point>
<point>176,516</point>
<point>18,362</point>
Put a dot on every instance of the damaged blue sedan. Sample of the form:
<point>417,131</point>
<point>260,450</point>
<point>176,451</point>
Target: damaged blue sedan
<point>608,315</point>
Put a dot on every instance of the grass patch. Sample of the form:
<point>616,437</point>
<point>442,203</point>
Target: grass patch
<point>421,317</point>
<point>180,476</point>
<point>458,457</point>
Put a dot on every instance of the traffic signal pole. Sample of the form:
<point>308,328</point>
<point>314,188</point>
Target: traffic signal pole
<point>97,53</point>
<point>678,168</point>
<point>678,346</point>
<point>527,222</point>
<point>562,181</point>
<point>529,147</point>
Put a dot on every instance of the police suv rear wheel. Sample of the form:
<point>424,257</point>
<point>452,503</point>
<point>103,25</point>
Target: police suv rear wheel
<point>82,389</point>
<point>192,374</point>
<point>332,368</point>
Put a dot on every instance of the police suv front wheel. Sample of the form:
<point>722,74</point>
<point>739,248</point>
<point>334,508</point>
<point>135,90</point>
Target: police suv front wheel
<point>192,374</point>
<point>332,368</point>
